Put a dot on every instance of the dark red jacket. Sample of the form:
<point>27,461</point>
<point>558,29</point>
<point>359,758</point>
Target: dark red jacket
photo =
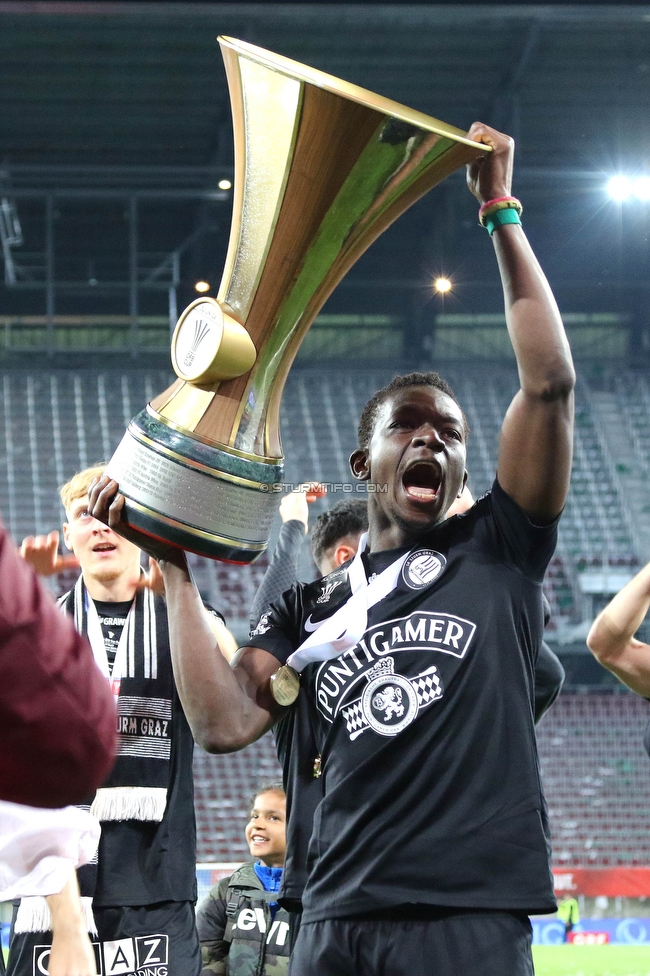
<point>57,715</point>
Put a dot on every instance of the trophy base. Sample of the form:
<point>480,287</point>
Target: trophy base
<point>193,495</point>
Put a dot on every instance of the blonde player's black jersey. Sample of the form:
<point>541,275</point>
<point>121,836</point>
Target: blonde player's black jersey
<point>432,793</point>
<point>112,617</point>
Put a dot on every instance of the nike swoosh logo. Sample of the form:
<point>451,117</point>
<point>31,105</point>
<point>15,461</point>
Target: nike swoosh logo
<point>311,627</point>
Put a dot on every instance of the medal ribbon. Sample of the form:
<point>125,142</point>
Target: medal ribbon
<point>345,628</point>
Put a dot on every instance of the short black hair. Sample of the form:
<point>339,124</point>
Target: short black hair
<point>348,517</point>
<point>369,413</point>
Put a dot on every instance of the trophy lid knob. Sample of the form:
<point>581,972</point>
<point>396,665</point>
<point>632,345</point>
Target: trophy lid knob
<point>208,345</point>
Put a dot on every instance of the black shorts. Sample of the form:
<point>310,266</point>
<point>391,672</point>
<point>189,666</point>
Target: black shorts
<point>160,940</point>
<point>471,943</point>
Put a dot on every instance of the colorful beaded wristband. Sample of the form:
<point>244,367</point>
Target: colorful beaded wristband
<point>498,204</point>
<point>499,218</point>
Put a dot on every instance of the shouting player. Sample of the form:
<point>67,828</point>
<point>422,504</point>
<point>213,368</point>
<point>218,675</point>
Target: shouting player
<point>335,540</point>
<point>430,846</point>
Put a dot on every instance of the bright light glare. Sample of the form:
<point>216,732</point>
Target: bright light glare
<point>642,188</point>
<point>619,187</point>
<point>442,285</point>
<point>202,286</point>
<point>224,184</point>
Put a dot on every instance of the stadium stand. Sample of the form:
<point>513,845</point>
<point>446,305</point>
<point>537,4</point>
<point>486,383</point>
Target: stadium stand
<point>596,775</point>
<point>55,423</point>
<point>632,392</point>
<point>223,789</point>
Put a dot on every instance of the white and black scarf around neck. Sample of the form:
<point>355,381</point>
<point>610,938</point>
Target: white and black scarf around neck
<point>142,683</point>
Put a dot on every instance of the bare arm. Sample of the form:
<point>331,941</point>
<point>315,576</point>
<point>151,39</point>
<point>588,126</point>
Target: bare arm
<point>72,953</point>
<point>537,435</point>
<point>227,705</point>
<point>153,580</point>
<point>225,640</point>
<point>611,638</point>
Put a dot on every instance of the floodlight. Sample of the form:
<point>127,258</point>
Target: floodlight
<point>442,285</point>
<point>619,187</point>
<point>641,187</point>
<point>224,184</point>
<point>202,286</point>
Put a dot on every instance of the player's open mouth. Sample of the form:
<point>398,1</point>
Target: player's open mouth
<point>104,547</point>
<point>258,839</point>
<point>422,481</point>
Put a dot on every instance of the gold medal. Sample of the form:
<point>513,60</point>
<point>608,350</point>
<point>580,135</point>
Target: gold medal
<point>285,685</point>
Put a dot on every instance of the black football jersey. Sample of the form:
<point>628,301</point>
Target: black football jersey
<point>430,777</point>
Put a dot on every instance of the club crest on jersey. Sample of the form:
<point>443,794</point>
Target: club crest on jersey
<point>422,568</point>
<point>328,589</point>
<point>390,701</point>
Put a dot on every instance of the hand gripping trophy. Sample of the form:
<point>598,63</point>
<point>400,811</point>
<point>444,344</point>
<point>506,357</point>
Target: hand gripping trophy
<point>322,167</point>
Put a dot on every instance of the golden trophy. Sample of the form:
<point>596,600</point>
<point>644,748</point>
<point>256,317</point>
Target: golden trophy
<point>322,167</point>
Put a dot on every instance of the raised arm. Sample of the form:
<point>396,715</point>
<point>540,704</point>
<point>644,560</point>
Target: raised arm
<point>611,638</point>
<point>283,568</point>
<point>537,435</point>
<point>227,705</point>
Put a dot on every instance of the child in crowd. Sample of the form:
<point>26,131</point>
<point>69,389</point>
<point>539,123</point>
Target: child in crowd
<point>243,930</point>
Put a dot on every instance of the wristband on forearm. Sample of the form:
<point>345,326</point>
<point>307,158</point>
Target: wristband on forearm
<point>502,210</point>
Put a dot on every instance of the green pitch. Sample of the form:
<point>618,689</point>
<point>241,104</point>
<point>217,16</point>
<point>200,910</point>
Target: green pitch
<point>607,960</point>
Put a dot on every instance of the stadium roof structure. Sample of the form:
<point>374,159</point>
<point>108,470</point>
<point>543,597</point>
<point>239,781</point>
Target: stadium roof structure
<point>116,132</point>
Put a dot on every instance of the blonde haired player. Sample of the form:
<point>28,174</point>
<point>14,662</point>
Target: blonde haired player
<point>139,895</point>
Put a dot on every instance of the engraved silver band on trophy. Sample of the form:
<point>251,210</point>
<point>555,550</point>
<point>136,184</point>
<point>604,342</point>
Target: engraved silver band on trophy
<point>209,501</point>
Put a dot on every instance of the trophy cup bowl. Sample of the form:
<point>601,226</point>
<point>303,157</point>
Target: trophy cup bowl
<point>322,168</point>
